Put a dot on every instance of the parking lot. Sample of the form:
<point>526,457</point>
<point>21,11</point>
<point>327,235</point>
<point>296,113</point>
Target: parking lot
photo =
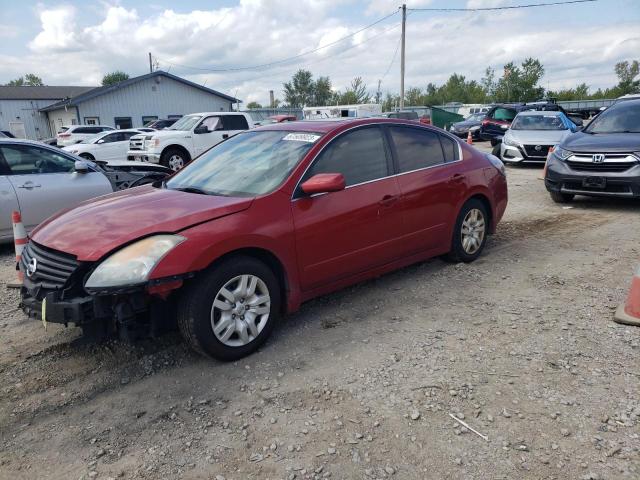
<point>520,346</point>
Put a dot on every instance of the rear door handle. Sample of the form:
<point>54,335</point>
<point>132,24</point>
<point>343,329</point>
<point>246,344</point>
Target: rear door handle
<point>458,177</point>
<point>388,200</point>
<point>225,135</point>
<point>29,185</point>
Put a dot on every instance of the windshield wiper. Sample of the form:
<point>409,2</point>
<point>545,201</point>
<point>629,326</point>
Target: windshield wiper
<point>197,190</point>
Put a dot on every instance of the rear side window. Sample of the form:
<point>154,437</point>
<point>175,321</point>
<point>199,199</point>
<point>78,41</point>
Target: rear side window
<point>234,122</point>
<point>450,148</point>
<point>505,114</point>
<point>416,148</point>
<point>359,155</point>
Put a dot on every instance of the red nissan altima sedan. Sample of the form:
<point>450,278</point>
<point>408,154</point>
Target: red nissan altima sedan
<point>260,223</point>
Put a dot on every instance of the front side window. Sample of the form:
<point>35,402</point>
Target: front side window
<point>211,123</point>
<point>27,160</point>
<point>246,165</point>
<point>360,156</point>
<point>416,148</point>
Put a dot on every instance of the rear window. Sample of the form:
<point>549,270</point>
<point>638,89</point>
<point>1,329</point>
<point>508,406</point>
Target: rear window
<point>416,148</point>
<point>234,122</point>
<point>504,114</point>
<point>89,130</point>
<point>450,148</point>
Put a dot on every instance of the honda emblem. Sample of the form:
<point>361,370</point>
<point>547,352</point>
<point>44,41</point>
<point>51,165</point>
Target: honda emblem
<point>597,158</point>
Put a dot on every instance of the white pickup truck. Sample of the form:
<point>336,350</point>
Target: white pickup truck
<point>183,141</point>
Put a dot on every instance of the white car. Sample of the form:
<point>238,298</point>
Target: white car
<point>70,134</point>
<point>106,146</point>
<point>190,136</point>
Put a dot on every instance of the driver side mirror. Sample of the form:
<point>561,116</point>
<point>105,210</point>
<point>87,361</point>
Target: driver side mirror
<point>100,141</point>
<point>201,129</point>
<point>324,183</point>
<point>81,166</point>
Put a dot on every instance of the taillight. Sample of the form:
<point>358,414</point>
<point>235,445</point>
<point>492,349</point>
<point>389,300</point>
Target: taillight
<point>64,135</point>
<point>485,123</point>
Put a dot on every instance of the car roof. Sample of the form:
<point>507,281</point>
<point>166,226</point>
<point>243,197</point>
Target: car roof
<point>212,113</point>
<point>540,113</point>
<point>326,126</point>
<point>78,126</point>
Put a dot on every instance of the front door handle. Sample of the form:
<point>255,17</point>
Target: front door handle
<point>29,185</point>
<point>458,177</point>
<point>388,200</point>
<point>225,136</point>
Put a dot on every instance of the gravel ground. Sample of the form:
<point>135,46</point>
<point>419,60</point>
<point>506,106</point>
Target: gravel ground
<point>364,383</point>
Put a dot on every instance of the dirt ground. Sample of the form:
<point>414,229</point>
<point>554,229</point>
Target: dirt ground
<point>361,384</point>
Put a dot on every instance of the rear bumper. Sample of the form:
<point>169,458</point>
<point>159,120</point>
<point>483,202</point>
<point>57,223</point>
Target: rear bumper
<point>561,178</point>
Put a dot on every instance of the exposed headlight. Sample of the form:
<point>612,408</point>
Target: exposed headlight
<point>133,264</point>
<point>509,141</point>
<point>562,153</point>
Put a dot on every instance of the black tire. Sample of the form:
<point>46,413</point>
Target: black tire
<point>195,305</point>
<point>560,197</point>
<point>458,253</point>
<point>169,157</point>
<point>88,156</point>
<point>496,151</point>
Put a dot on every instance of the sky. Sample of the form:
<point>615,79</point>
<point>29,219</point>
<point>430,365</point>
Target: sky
<point>77,42</point>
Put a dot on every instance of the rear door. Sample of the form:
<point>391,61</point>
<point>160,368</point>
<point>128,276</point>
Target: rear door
<point>111,146</point>
<point>45,181</point>
<point>428,183</point>
<point>340,234</point>
<point>8,202</point>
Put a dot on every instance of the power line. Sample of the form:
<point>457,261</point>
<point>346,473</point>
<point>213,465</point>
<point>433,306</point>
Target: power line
<point>284,60</point>
<point>486,9</point>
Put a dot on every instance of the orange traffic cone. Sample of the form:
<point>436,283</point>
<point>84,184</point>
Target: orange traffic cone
<point>20,239</point>
<point>629,312</point>
<point>544,170</point>
<point>469,138</point>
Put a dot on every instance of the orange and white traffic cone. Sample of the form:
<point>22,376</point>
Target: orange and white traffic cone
<point>629,312</point>
<point>469,138</point>
<point>546,162</point>
<point>20,239</point>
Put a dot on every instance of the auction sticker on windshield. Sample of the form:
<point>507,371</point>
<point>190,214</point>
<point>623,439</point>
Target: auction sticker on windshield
<point>301,137</point>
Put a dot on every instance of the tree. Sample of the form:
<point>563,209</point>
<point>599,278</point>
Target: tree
<point>323,94</point>
<point>114,77</point>
<point>29,80</point>
<point>355,94</point>
<point>251,105</point>
<point>299,92</point>
<point>520,83</point>
<point>627,72</point>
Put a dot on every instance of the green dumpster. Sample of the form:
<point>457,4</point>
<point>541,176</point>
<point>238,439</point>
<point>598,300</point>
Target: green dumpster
<point>443,119</point>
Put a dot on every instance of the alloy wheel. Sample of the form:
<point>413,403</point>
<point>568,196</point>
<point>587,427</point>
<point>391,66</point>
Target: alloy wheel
<point>473,231</point>
<point>176,162</point>
<point>240,310</point>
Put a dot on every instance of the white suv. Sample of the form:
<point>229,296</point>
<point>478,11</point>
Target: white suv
<point>71,134</point>
<point>190,136</point>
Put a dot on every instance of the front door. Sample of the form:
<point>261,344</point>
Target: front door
<point>205,140</point>
<point>45,181</point>
<point>343,233</point>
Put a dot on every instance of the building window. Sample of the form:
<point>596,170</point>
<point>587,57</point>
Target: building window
<point>91,121</point>
<point>148,119</point>
<point>123,122</point>
<point>74,121</point>
<point>171,117</point>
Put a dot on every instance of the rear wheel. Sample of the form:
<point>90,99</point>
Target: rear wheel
<point>560,197</point>
<point>470,232</point>
<point>174,159</point>
<point>231,310</point>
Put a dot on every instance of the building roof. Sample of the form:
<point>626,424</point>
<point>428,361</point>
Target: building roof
<point>95,92</point>
<point>40,93</point>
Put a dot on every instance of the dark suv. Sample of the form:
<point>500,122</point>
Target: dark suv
<point>601,160</point>
<point>499,118</point>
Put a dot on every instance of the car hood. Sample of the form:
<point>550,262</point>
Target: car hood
<point>602,142</point>
<point>538,137</point>
<point>96,227</point>
<point>167,133</point>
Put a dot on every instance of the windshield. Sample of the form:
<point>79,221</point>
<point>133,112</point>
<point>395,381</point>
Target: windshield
<point>622,117</point>
<point>476,117</point>
<point>94,138</point>
<point>538,122</point>
<point>248,164</point>
<point>186,123</point>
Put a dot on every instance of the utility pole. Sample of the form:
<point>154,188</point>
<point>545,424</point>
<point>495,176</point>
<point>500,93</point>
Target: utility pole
<point>404,23</point>
<point>378,93</point>
<point>150,63</point>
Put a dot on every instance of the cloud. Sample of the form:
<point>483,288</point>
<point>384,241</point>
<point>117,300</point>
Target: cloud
<point>57,35</point>
<point>9,31</point>
<point>68,50</point>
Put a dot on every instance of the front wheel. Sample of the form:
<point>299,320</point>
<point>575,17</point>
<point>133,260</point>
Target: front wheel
<point>174,159</point>
<point>229,311</point>
<point>560,197</point>
<point>470,232</point>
